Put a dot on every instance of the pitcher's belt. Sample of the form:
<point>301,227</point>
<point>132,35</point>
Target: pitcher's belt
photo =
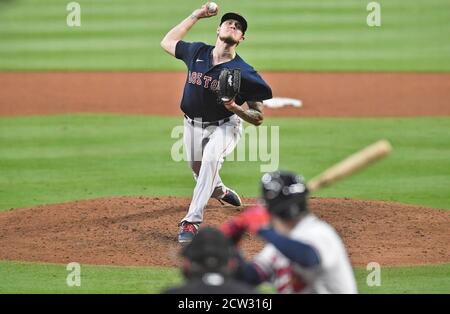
<point>206,124</point>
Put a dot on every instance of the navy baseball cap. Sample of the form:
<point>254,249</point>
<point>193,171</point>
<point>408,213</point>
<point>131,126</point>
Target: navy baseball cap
<point>237,17</point>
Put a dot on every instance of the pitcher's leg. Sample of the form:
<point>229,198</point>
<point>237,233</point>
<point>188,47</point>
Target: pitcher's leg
<point>195,165</point>
<point>222,192</point>
<point>192,139</point>
<point>220,144</point>
<point>233,129</point>
<point>192,145</point>
<point>219,190</point>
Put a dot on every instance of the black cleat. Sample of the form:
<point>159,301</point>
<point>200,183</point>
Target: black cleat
<point>232,198</point>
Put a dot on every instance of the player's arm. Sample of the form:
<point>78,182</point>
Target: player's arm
<point>177,33</point>
<point>253,114</point>
<point>249,272</point>
<point>296,251</point>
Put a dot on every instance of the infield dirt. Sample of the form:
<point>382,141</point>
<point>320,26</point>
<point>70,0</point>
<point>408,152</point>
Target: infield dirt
<point>142,231</point>
<point>323,94</point>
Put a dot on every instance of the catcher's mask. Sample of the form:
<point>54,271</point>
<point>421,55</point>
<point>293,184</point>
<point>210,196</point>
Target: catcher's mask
<point>285,194</point>
<point>209,251</point>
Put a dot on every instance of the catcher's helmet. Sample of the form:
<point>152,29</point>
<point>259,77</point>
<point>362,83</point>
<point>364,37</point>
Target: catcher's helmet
<point>285,194</point>
<point>209,251</point>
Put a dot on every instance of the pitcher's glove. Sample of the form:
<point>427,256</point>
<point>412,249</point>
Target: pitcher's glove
<point>229,84</point>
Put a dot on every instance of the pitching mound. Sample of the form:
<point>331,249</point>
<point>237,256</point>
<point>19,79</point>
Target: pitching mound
<point>142,231</point>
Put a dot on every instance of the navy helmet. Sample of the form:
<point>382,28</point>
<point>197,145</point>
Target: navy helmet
<point>209,251</point>
<point>285,194</point>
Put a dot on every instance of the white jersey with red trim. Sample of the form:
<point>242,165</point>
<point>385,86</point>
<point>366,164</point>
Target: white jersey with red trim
<point>334,274</point>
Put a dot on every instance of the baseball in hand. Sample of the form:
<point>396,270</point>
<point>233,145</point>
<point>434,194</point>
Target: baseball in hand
<point>212,7</point>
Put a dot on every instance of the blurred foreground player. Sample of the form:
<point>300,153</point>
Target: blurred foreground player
<point>209,265</point>
<point>303,253</point>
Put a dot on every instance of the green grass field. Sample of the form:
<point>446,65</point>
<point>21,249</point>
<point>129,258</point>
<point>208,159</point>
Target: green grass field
<point>283,35</point>
<point>60,158</point>
<point>52,278</point>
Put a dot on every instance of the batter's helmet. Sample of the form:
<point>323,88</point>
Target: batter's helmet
<point>285,194</point>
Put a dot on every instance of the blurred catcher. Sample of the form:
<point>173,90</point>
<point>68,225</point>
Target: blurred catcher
<point>303,253</point>
<point>210,262</point>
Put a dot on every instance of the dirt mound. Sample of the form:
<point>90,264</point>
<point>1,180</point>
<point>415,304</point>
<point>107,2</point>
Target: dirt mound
<point>142,231</point>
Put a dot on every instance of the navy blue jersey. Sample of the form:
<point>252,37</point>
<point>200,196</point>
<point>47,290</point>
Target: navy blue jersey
<point>200,91</point>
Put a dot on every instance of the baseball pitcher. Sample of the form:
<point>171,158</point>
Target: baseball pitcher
<point>218,82</point>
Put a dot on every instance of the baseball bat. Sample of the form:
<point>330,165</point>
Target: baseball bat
<point>350,165</point>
